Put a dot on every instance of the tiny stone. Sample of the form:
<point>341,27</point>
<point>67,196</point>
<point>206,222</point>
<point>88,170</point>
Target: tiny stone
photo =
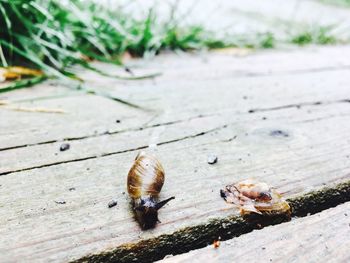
<point>112,203</point>
<point>212,158</point>
<point>64,147</point>
<point>71,189</point>
<point>60,202</point>
<point>117,121</point>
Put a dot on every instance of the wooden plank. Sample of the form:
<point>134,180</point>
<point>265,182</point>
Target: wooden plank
<point>43,155</point>
<point>85,225</point>
<point>322,237</point>
<point>244,140</point>
<point>85,115</point>
<point>218,75</point>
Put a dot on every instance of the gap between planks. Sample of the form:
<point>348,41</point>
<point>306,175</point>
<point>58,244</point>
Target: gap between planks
<point>322,237</point>
<point>192,134</point>
<point>187,239</point>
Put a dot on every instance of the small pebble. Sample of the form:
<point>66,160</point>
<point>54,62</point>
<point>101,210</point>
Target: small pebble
<point>112,203</point>
<point>117,121</point>
<point>64,147</point>
<point>212,158</point>
<point>71,189</point>
<point>60,202</point>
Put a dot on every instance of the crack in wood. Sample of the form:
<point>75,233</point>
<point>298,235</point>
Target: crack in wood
<point>296,105</point>
<point>299,105</point>
<point>116,152</point>
<point>198,236</point>
<point>292,72</point>
<point>107,133</point>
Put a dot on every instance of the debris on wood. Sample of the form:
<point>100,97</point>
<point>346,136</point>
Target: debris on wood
<point>72,189</point>
<point>13,73</point>
<point>212,159</point>
<point>112,203</point>
<point>64,147</point>
<point>26,109</point>
<point>60,201</point>
<point>216,243</point>
<point>255,197</point>
<point>127,69</point>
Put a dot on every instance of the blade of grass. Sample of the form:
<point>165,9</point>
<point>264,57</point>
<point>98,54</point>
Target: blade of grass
<point>23,83</point>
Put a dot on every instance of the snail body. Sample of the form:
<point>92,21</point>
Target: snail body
<point>255,197</point>
<point>144,183</point>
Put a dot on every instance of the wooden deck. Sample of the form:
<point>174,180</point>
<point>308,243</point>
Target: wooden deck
<point>282,117</point>
<point>323,237</point>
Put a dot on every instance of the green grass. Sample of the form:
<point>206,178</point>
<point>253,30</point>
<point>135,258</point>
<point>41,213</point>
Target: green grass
<point>314,35</point>
<point>344,3</point>
<point>53,36</point>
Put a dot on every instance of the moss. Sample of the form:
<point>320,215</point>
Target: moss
<point>318,201</point>
<point>202,235</point>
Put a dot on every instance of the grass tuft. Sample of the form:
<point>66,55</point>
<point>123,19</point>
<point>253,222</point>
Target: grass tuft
<point>54,35</point>
<point>317,35</point>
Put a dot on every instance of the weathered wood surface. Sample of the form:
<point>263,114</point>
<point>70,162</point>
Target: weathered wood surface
<point>180,74</point>
<point>268,116</point>
<point>323,237</point>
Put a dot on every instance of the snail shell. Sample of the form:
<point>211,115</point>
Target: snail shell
<point>255,197</point>
<point>145,181</point>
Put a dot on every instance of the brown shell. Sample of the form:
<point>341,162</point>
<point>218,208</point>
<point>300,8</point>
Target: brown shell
<point>146,177</point>
<point>255,197</point>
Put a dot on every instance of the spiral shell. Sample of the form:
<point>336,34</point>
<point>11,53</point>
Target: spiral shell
<point>145,180</point>
<point>146,177</point>
<point>255,197</point>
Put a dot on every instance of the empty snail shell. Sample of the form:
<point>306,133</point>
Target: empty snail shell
<point>255,197</point>
<point>145,181</point>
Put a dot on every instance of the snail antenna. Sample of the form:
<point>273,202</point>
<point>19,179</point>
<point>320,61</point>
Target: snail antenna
<point>162,203</point>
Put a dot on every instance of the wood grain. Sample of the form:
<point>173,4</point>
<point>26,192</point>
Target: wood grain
<point>296,139</point>
<point>231,82</point>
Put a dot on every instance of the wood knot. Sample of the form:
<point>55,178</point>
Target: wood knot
<point>279,133</point>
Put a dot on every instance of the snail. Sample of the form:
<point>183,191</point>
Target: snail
<point>255,197</point>
<point>145,181</point>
